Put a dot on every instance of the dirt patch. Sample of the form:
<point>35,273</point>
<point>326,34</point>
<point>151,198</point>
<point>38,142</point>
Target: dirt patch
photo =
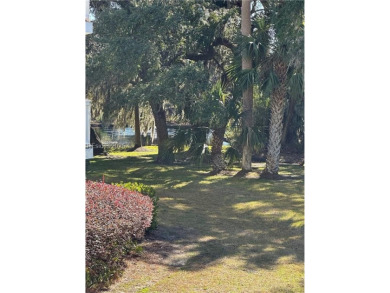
<point>165,250</point>
<point>246,174</point>
<point>223,172</point>
<point>168,247</point>
<point>227,173</point>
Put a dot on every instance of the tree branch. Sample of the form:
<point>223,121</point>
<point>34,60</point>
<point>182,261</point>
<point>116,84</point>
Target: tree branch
<point>224,42</point>
<point>202,56</point>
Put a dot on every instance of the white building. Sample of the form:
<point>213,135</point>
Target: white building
<point>88,23</point>
<point>88,146</point>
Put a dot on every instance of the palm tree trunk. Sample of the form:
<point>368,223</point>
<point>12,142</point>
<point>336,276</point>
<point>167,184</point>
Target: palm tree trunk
<point>278,100</point>
<point>137,128</point>
<point>247,95</point>
<point>165,152</point>
<point>217,161</point>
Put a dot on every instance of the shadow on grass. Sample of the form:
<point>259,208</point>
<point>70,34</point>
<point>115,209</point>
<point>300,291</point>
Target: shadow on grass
<point>206,219</point>
<point>260,236</point>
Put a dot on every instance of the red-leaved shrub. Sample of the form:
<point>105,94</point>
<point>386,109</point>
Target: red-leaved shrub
<point>115,217</point>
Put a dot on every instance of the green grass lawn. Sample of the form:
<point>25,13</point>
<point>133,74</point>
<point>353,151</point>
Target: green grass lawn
<point>216,233</point>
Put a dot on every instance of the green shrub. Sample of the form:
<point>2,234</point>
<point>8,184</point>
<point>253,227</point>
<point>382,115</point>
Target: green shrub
<point>145,190</point>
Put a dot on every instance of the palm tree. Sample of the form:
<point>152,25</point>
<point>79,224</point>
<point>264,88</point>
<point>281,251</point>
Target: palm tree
<point>247,95</point>
<point>278,100</point>
<point>282,71</point>
<point>275,50</point>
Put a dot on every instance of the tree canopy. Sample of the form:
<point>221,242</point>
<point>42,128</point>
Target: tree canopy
<point>179,61</point>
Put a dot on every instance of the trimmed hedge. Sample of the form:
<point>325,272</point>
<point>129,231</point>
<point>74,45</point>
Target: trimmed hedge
<point>115,217</point>
<point>146,190</point>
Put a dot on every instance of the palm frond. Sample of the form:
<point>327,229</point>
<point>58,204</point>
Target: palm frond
<point>251,136</point>
<point>296,85</point>
<point>247,78</point>
<point>232,155</point>
<point>271,82</point>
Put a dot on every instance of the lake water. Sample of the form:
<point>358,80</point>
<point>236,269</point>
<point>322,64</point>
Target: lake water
<point>122,136</point>
<point>110,136</point>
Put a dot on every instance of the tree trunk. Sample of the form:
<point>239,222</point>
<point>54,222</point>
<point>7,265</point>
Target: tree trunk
<point>278,100</point>
<point>247,95</point>
<point>217,160</point>
<point>96,142</point>
<point>137,128</point>
<point>152,132</point>
<point>165,152</point>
